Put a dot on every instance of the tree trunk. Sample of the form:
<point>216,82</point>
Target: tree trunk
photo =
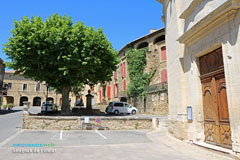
<point>65,109</point>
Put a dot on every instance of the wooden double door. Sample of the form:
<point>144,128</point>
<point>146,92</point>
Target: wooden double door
<point>215,106</point>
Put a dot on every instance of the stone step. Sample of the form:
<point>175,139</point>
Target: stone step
<point>160,123</point>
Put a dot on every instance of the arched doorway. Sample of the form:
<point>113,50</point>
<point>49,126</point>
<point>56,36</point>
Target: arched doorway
<point>36,101</point>
<point>9,100</point>
<point>23,99</point>
<point>50,99</point>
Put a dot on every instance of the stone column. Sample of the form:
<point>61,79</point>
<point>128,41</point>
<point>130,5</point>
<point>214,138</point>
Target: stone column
<point>89,100</point>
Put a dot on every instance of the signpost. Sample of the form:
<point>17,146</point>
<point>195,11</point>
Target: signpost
<point>98,120</point>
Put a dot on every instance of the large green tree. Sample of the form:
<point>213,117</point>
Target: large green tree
<point>61,53</point>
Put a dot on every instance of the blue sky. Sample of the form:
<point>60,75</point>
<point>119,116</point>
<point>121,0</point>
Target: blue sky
<point>122,21</point>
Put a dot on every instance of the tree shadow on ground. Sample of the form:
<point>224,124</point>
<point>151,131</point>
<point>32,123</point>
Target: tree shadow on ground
<point>6,111</point>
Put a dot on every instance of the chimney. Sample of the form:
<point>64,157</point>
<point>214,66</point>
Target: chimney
<point>152,30</point>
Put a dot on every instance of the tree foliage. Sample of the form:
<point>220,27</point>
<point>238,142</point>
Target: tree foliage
<point>139,80</point>
<point>60,52</point>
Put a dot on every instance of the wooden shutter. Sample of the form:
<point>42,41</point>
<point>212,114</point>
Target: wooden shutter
<point>163,52</point>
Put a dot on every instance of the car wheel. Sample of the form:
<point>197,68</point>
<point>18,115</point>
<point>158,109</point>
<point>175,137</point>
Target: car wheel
<point>133,111</point>
<point>116,112</point>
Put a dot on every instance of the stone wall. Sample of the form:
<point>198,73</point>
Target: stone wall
<point>155,103</point>
<point>77,123</point>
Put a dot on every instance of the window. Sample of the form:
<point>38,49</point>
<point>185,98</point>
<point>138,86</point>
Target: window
<point>24,87</point>
<point>109,92</point>
<point>92,88</point>
<point>163,52</point>
<point>116,90</point>
<point>9,86</point>
<point>38,87</point>
<point>164,75</point>
<point>115,75</point>
<point>124,85</point>
<point>123,69</point>
<point>50,89</point>
<point>100,96</point>
<point>118,104</point>
<point>104,91</point>
<point>10,76</point>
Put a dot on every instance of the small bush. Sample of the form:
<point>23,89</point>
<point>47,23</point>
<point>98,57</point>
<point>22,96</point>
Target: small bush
<point>10,105</point>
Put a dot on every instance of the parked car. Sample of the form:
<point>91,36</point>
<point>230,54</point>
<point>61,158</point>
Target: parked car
<point>51,107</point>
<point>79,102</point>
<point>120,107</point>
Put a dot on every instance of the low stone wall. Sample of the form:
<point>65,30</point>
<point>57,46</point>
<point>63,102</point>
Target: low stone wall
<point>77,123</point>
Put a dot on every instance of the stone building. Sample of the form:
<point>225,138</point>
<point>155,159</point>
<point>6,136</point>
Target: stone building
<point>2,71</point>
<point>116,89</point>
<point>20,89</point>
<point>203,45</point>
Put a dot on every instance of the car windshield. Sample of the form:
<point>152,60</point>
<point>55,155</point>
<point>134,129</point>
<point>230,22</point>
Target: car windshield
<point>126,105</point>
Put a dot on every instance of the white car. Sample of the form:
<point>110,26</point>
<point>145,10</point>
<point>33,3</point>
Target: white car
<point>120,107</point>
<point>50,107</point>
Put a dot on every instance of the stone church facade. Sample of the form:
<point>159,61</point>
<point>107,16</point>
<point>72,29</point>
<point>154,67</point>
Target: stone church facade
<point>203,45</point>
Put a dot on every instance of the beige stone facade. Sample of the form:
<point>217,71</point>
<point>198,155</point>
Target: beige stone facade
<point>23,89</point>
<point>195,28</point>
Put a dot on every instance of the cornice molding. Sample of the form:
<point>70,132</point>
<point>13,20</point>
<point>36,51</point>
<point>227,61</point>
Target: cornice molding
<point>161,1</point>
<point>190,9</point>
<point>218,17</point>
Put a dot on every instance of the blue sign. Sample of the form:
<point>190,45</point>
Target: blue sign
<point>189,113</point>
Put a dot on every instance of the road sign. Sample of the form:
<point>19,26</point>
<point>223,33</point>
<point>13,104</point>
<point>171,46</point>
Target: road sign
<point>98,120</point>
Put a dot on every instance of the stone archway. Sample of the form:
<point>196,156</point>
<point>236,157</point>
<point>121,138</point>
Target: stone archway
<point>142,45</point>
<point>9,100</point>
<point>36,101</point>
<point>50,99</point>
<point>23,99</point>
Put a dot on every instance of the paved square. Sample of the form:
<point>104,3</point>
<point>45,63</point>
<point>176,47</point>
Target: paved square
<point>107,145</point>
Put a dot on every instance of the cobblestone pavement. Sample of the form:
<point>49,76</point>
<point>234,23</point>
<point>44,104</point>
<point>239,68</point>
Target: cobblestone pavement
<point>106,145</point>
